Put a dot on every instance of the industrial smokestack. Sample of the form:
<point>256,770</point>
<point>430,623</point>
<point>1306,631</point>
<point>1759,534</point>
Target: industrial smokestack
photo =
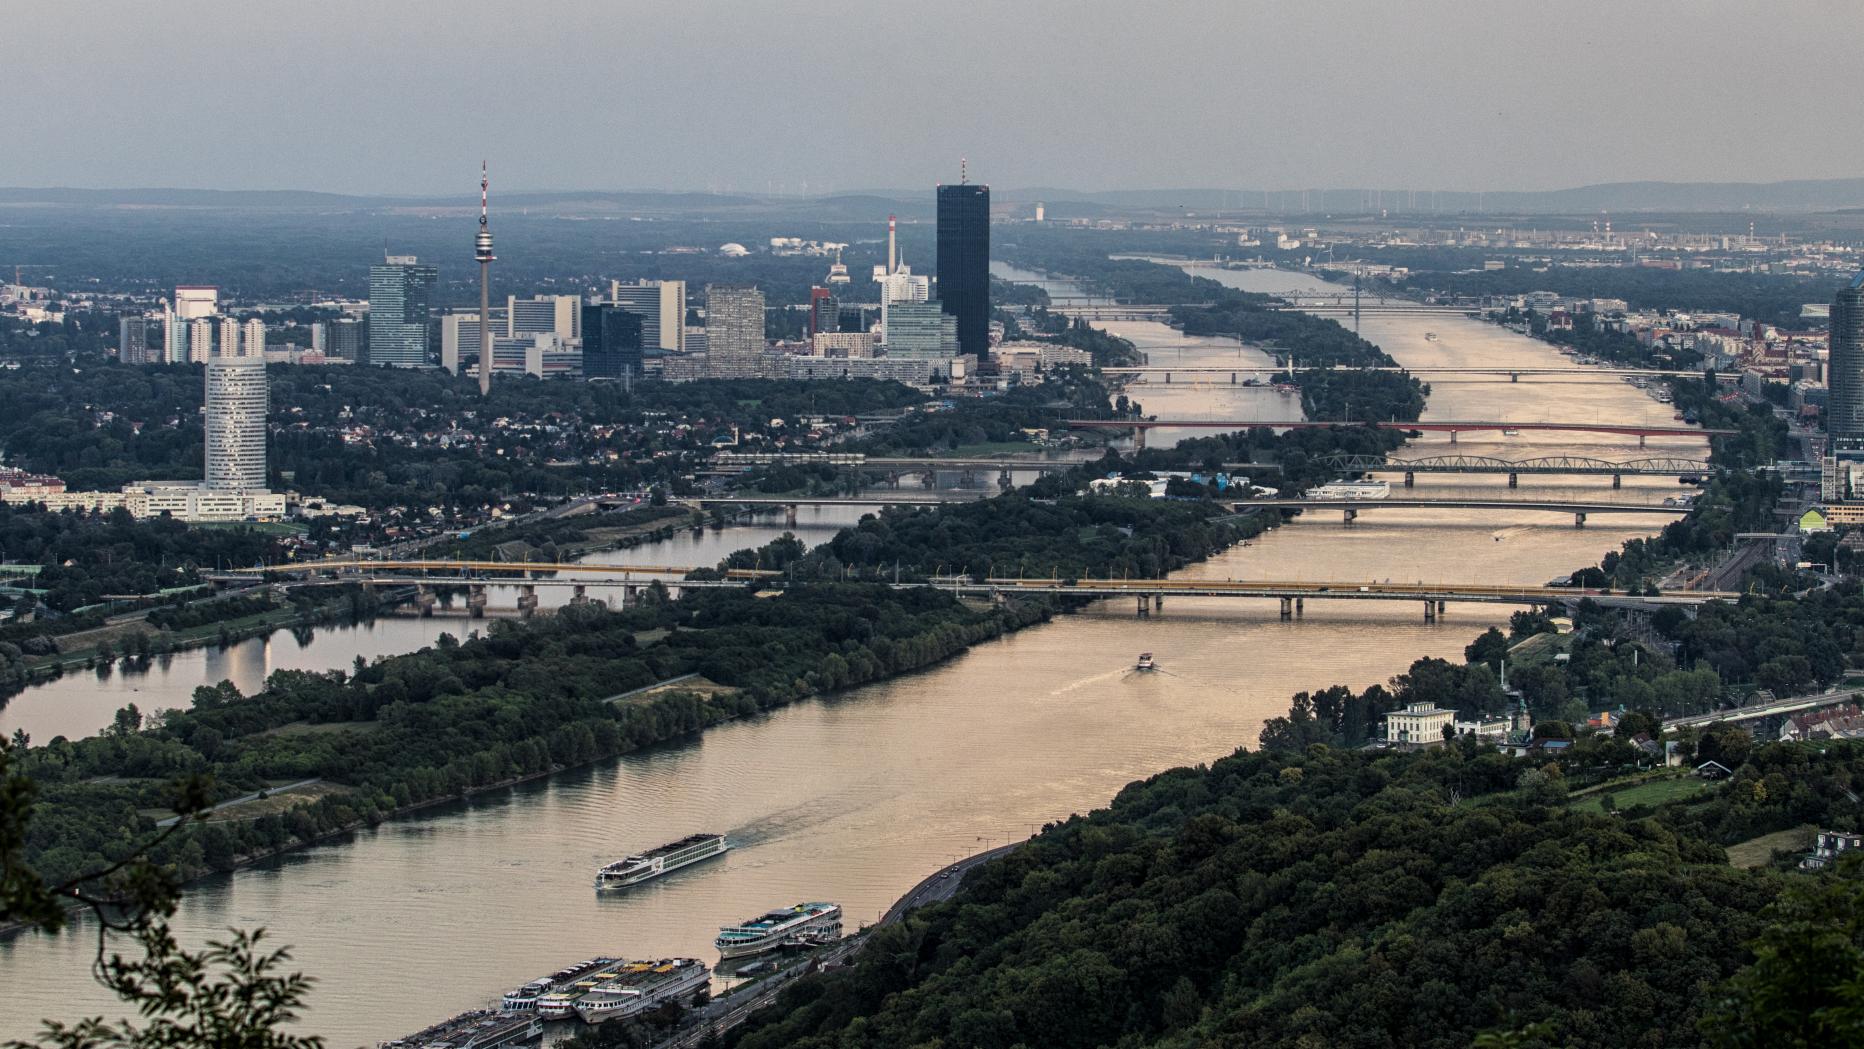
<point>892,255</point>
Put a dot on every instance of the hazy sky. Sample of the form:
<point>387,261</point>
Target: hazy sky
<point>405,96</point>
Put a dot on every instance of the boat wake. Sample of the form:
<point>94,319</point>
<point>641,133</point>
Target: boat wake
<point>1110,675</point>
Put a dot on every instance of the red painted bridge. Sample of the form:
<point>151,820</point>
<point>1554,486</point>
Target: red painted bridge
<point>1435,425</point>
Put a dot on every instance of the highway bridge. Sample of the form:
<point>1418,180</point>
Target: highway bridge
<point>1352,508</point>
<point>1513,373</point>
<point>1150,593</point>
<point>1638,430</point>
<point>858,461</point>
<point>1294,593</point>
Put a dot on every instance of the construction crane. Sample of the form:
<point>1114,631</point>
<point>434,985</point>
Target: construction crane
<point>17,266</point>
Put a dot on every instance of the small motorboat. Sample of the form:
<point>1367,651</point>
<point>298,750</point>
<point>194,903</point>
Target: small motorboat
<point>1145,662</point>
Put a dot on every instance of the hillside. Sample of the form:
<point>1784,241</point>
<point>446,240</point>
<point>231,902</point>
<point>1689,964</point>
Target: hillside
<point>1335,898</point>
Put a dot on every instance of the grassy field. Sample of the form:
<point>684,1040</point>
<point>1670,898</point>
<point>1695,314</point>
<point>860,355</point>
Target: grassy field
<point>272,804</point>
<point>1758,852</point>
<point>1650,792</point>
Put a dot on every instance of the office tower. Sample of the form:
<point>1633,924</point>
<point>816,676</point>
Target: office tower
<point>921,329</point>
<point>319,337</point>
<point>236,422</point>
<point>1844,413</point>
<point>853,318</point>
<point>661,305</point>
<point>195,301</point>
<point>902,285</point>
<point>734,329</point>
<point>482,251</point>
<point>175,337</point>
<point>201,340</point>
<point>964,262</point>
<point>824,312</point>
<point>558,315</point>
<point>400,290</point>
<point>611,343</point>
<point>460,341</point>
<point>343,339</point>
<point>252,338</point>
<point>133,338</point>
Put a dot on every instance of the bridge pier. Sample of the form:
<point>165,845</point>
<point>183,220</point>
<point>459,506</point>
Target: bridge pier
<point>1139,439</point>
<point>1618,481</point>
<point>1144,609</point>
<point>475,601</point>
<point>1300,606</point>
<point>1514,376</point>
<point>1579,520</point>
<point>1452,436</point>
<point>424,599</point>
<point>1514,479</point>
<point>527,600</point>
<point>1168,378</point>
<point>789,516</point>
<point>1158,602</point>
<point>1640,440</point>
<point>1350,515</point>
<point>579,595</point>
<point>1430,611</point>
<point>1287,608</point>
<point>1410,479</point>
<point>1232,378</point>
<point>1005,480</point>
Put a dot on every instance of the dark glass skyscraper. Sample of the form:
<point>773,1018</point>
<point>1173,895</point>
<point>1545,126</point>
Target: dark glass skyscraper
<point>964,263</point>
<point>1844,413</point>
<point>400,293</point>
<point>611,343</point>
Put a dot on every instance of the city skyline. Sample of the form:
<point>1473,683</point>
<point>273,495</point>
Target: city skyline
<point>1500,104</point>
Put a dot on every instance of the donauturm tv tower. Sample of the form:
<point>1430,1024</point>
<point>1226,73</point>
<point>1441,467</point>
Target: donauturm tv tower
<point>482,250</point>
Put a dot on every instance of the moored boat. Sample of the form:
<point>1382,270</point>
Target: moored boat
<point>801,925</point>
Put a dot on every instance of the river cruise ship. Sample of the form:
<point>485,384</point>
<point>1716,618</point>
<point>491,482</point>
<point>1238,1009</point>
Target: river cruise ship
<point>663,860</point>
<point>479,1029</point>
<point>801,925</point>
<point>641,986</point>
<point>524,999</point>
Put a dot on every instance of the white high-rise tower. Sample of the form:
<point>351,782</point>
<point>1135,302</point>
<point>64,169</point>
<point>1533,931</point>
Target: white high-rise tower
<point>236,406</point>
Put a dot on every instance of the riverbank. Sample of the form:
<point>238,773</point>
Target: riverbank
<point>131,645</point>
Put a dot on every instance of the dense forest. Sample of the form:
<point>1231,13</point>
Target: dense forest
<point>1321,897</point>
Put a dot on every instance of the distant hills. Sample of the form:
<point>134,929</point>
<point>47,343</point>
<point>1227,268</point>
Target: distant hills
<point>1799,195</point>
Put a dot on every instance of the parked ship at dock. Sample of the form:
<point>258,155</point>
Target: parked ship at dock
<point>805,924</point>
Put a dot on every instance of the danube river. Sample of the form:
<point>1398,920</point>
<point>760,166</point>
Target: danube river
<point>854,798</point>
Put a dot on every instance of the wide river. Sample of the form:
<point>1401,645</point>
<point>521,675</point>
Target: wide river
<point>856,797</point>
